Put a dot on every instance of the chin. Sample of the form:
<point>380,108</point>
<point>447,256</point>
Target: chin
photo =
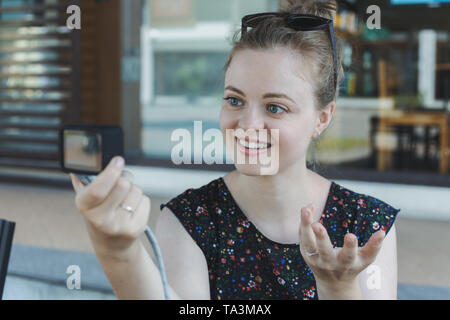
<point>257,170</point>
<point>249,169</point>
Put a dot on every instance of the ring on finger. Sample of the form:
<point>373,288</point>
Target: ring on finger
<point>127,208</point>
<point>311,254</point>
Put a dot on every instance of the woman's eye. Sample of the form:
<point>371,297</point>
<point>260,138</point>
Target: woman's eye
<point>273,108</point>
<point>233,101</point>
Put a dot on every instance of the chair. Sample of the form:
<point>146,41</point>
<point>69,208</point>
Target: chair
<point>389,79</point>
<point>430,141</point>
<point>404,139</point>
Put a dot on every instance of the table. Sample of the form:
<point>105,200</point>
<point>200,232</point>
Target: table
<point>415,118</point>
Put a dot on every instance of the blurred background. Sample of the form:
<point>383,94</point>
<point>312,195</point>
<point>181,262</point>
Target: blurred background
<point>152,66</point>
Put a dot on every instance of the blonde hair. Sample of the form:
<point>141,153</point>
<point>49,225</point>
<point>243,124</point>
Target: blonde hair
<point>272,33</point>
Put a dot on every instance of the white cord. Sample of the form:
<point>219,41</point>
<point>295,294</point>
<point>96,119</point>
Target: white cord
<point>151,237</point>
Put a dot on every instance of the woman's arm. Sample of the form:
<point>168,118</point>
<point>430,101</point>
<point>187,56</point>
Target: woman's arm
<point>185,263</point>
<point>379,280</point>
<point>115,232</point>
<point>134,275</point>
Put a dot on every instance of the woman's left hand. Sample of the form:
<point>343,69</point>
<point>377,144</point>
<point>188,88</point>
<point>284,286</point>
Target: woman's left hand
<point>334,267</point>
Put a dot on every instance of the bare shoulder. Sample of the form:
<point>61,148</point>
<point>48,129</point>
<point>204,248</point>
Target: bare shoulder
<point>169,227</point>
<point>185,263</point>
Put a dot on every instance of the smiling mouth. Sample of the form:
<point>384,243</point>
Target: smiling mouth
<point>253,145</point>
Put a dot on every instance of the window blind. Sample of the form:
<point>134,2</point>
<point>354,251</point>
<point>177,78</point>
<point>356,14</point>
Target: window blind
<point>39,80</point>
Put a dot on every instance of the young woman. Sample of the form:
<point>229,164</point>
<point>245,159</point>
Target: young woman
<point>291,234</point>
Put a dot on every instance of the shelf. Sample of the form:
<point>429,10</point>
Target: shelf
<point>443,67</point>
<point>383,42</point>
<point>346,34</point>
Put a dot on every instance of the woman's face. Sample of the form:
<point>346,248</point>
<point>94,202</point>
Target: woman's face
<point>268,89</point>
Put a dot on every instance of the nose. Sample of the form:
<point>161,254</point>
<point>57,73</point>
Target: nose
<point>251,119</point>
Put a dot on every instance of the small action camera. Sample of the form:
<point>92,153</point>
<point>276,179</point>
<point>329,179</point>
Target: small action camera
<point>86,149</point>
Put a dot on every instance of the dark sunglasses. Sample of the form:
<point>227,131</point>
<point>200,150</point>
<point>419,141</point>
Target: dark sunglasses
<point>299,22</point>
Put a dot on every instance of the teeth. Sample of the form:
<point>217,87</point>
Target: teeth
<point>253,145</point>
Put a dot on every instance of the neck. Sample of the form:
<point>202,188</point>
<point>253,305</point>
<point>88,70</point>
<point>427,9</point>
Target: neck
<point>277,197</point>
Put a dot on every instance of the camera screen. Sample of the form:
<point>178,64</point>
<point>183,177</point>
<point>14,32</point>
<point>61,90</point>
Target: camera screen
<point>82,150</point>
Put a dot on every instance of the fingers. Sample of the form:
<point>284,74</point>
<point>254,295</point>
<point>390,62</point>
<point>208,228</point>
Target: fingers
<point>128,175</point>
<point>133,198</point>
<point>110,212</point>
<point>349,251</point>
<point>323,242</point>
<point>76,183</point>
<point>131,224</point>
<point>123,193</point>
<point>96,192</point>
<point>139,219</point>
<point>306,233</point>
<point>370,250</point>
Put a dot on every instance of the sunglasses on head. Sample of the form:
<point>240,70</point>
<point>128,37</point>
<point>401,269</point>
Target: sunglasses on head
<point>299,22</point>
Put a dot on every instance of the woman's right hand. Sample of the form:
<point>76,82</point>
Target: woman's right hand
<point>113,230</point>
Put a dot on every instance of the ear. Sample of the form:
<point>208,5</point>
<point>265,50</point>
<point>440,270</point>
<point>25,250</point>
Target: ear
<point>324,117</point>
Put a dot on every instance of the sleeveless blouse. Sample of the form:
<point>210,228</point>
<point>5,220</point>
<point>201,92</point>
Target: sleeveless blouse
<point>244,264</point>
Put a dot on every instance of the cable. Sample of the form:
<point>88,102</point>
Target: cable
<point>152,239</point>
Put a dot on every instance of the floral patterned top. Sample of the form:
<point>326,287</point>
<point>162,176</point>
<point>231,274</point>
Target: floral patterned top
<point>244,264</point>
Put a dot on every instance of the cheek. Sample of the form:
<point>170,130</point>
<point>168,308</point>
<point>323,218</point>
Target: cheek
<point>226,121</point>
<point>227,118</point>
<point>294,138</point>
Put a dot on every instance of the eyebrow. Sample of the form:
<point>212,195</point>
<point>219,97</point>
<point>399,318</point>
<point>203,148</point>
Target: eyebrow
<point>267,95</point>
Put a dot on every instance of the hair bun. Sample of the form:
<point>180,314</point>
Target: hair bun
<point>322,8</point>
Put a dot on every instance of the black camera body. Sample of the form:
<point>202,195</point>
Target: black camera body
<point>86,149</point>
